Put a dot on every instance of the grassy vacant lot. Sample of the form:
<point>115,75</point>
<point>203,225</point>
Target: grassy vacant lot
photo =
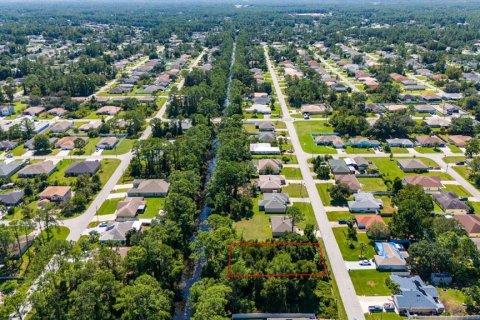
<point>58,177</point>
<point>308,215</point>
<point>296,190</point>
<point>91,146</point>
<point>292,173</point>
<point>372,184</point>
<point>324,194</point>
<point>370,282</point>
<point>457,189</point>
<point>339,215</point>
<point>453,159</point>
<point>453,300</point>
<point>108,206</point>
<point>348,253</point>
<point>454,148</point>
<point>122,147</point>
<point>304,131</point>
<point>19,150</point>
<point>427,150</point>
<point>107,167</point>
<point>154,205</point>
<point>398,150</point>
<point>391,169</point>
<point>56,233</point>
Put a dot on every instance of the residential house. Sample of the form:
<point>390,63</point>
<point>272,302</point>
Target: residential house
<point>274,202</point>
<point>68,143</point>
<point>259,108</point>
<point>120,90</point>
<point>33,111</point>
<point>7,110</point>
<point>365,202</point>
<point>269,166</point>
<point>450,203</point>
<point>424,108</point>
<point>8,145</point>
<point>428,183</point>
<point>430,97</point>
<point>266,136</point>
<point>59,112</point>
<point>117,231</point>
<point>364,221</point>
<point>412,165</point>
<point>265,126</point>
<point>149,188</point>
<point>270,183</point>
<point>9,169</point>
<point>449,109</point>
<point>459,140</point>
<point>361,142</point>
<point>389,257</point>
<point>107,143</point>
<point>363,164</point>
<point>129,208</point>
<point>416,297</point>
<point>339,166</point>
<point>312,109</point>
<point>280,225</point>
<point>92,125</point>
<point>429,141</point>
<point>42,168</point>
<point>83,167</point>
<point>109,110</point>
<point>56,193</point>
<point>329,140</point>
<point>350,180</point>
<point>11,198</point>
<point>438,122</point>
<point>60,127</point>
<point>261,98</point>
<point>401,143</point>
<point>471,224</point>
<point>263,148</point>
<point>29,144</point>
<point>395,107</point>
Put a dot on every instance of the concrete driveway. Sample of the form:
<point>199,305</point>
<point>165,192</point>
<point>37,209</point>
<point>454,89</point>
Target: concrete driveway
<point>355,265</point>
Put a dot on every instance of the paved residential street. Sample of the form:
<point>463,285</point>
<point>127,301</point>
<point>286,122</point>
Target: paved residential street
<point>340,272</point>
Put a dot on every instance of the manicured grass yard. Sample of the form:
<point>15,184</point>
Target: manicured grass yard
<point>304,131</point>
<point>372,184</point>
<point>292,173</point>
<point>339,215</point>
<point>58,177</point>
<point>108,206</point>
<point>476,206</point>
<point>383,316</point>
<point>308,215</point>
<point>352,150</point>
<point>457,189</point>
<point>56,233</point>
<point>427,150</point>
<point>453,159</point>
<point>323,191</point>
<point>296,190</point>
<point>454,148</point>
<point>154,205</point>
<point>91,145</point>
<point>122,147</point>
<point>395,150</point>
<point>19,150</point>
<point>107,167</point>
<point>353,254</point>
<point>370,282</point>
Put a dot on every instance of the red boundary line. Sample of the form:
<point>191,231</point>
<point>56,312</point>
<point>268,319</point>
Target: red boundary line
<point>275,244</point>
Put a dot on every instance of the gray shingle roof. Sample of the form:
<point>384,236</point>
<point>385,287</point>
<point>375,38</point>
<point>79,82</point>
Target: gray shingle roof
<point>85,167</point>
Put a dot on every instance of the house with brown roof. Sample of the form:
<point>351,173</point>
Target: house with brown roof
<point>280,225</point>
<point>56,193</point>
<point>68,143</point>
<point>389,257</point>
<point>350,180</point>
<point>33,111</point>
<point>397,77</point>
<point>269,166</point>
<point>329,140</point>
<point>149,188</point>
<point>271,183</point>
<point>459,140</point>
<point>312,109</point>
<point>412,165</point>
<point>471,224</point>
<point>46,167</point>
<point>60,127</point>
<point>429,141</point>
<point>107,143</point>
<point>59,112</point>
<point>428,183</point>
<point>364,221</point>
<point>450,203</point>
<point>109,110</point>
<point>129,208</point>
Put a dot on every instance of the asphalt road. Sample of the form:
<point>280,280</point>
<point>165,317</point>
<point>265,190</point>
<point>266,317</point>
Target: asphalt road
<point>340,272</point>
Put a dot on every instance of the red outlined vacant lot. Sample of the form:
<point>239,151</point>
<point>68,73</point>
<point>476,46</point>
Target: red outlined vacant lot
<point>316,245</point>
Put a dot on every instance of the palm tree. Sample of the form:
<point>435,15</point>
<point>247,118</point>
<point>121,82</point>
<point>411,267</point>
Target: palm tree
<point>363,246</point>
<point>16,224</point>
<point>48,217</point>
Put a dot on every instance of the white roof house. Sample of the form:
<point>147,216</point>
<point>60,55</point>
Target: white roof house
<point>263,148</point>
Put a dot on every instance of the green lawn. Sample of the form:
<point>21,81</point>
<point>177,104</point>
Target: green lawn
<point>453,300</point>
<point>427,150</point>
<point>383,316</point>
<point>476,206</point>
<point>107,167</point>
<point>457,189</point>
<point>395,150</point>
<point>308,215</point>
<point>372,184</point>
<point>109,206</point>
<point>56,233</point>
<point>453,159</point>
<point>306,128</point>
<point>255,228</point>
<point>296,190</point>
<point>122,147</point>
<point>370,282</point>
<point>353,254</point>
<point>19,150</point>
<point>464,171</point>
<point>454,148</point>
<point>391,169</point>
<point>292,173</point>
<point>58,177</point>
<point>323,191</point>
<point>339,215</point>
<point>352,150</point>
<point>91,146</point>
<point>154,205</point>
